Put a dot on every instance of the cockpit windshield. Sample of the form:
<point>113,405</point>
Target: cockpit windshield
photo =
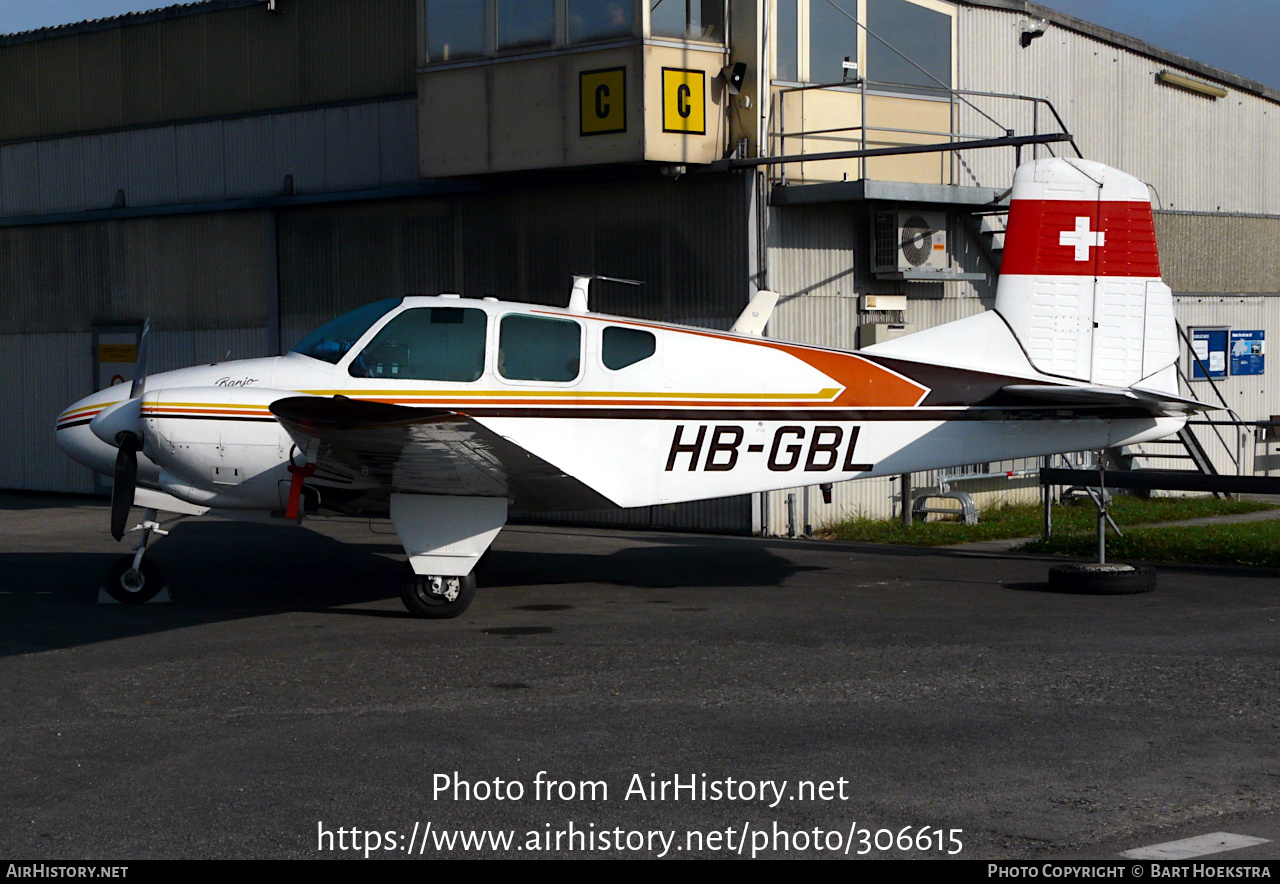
<point>331,341</point>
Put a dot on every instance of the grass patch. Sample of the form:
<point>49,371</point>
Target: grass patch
<point>1247,543</point>
<point>1025,520</point>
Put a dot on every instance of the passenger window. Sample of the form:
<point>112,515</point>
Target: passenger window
<point>539,348</point>
<point>426,344</point>
<point>626,346</point>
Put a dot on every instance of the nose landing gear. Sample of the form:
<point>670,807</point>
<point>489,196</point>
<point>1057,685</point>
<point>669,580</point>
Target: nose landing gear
<point>133,579</point>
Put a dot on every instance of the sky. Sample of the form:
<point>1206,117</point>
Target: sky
<point>1236,35</point>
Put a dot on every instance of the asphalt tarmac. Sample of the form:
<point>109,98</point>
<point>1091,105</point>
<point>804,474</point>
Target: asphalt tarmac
<point>846,692</point>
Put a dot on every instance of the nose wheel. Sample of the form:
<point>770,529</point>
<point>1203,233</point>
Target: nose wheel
<point>438,596</point>
<point>131,585</point>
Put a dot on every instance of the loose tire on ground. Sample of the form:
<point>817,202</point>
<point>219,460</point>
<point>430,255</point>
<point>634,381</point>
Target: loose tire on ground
<point>1093,579</point>
<point>421,602</point>
<point>134,588</point>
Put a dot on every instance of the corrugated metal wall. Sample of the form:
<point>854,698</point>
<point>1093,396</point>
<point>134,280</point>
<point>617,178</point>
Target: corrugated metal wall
<point>682,238</point>
<point>351,147</point>
<point>204,280</point>
<point>193,64</point>
<point>1111,101</point>
<point>44,373</point>
<point>193,271</point>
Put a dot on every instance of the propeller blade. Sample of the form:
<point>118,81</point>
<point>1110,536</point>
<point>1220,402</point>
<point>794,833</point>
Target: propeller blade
<point>140,369</point>
<point>125,480</point>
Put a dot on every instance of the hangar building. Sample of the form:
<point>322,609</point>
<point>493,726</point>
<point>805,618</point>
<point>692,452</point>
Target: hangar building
<point>240,171</point>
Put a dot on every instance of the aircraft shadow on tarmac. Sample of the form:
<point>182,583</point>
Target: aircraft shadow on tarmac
<point>220,571</point>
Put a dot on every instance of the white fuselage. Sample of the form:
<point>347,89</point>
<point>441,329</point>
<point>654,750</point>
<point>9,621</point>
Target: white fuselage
<point>705,414</point>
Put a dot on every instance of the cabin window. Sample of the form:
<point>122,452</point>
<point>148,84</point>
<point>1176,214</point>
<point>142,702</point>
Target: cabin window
<point>426,344</point>
<point>456,29</point>
<point>626,346</point>
<point>539,348</point>
<point>331,341</point>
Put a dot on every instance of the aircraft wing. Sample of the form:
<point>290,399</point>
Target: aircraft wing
<point>1063,396</point>
<point>428,451</point>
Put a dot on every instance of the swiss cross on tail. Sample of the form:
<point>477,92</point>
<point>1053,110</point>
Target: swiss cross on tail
<point>1082,238</point>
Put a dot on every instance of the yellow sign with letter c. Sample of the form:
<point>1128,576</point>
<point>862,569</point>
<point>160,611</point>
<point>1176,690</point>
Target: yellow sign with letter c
<point>684,101</point>
<point>602,102</point>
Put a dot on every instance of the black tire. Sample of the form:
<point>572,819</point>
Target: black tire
<point>134,588</point>
<point>1094,579</point>
<point>420,601</point>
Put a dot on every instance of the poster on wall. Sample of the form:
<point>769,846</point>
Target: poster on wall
<point>1210,348</point>
<point>1248,351</point>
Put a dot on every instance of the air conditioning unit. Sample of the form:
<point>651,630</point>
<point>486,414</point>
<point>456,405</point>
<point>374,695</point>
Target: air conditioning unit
<point>910,244</point>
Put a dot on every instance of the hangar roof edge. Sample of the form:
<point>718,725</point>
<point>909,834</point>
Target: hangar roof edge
<point>1133,44</point>
<point>176,10</point>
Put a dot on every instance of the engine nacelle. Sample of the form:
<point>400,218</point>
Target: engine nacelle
<point>217,446</point>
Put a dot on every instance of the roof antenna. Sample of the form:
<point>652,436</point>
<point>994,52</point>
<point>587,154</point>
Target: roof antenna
<point>582,287</point>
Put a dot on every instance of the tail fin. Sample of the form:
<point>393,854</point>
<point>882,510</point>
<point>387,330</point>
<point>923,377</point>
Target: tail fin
<point>1080,283</point>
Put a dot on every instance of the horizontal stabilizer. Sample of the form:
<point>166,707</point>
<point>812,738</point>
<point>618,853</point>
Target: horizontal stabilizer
<point>1054,396</point>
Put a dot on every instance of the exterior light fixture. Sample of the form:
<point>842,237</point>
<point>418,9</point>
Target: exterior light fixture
<point>1032,28</point>
<point>1169,77</point>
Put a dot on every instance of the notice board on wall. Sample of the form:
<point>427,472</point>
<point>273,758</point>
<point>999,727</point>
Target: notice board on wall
<point>1210,347</point>
<point>1248,351</point>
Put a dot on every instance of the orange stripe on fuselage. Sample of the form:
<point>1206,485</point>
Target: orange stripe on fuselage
<point>866,385</point>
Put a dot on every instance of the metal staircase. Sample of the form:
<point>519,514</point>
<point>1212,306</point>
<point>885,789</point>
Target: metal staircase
<point>1196,444</point>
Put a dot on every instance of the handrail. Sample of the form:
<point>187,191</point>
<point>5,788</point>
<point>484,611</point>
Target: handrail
<point>777,132</point>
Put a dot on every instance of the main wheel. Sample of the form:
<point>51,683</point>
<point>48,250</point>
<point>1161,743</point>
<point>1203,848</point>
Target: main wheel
<point>131,587</point>
<point>1094,579</point>
<point>438,597</point>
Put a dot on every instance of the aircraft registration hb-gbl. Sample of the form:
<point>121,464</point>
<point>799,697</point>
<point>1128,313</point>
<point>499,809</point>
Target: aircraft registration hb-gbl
<point>442,411</point>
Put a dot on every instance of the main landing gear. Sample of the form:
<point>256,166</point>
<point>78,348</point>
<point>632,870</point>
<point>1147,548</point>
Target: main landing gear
<point>134,579</point>
<point>444,537</point>
<point>437,596</point>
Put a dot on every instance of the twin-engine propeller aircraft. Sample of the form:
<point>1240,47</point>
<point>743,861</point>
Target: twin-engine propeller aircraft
<point>444,411</point>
